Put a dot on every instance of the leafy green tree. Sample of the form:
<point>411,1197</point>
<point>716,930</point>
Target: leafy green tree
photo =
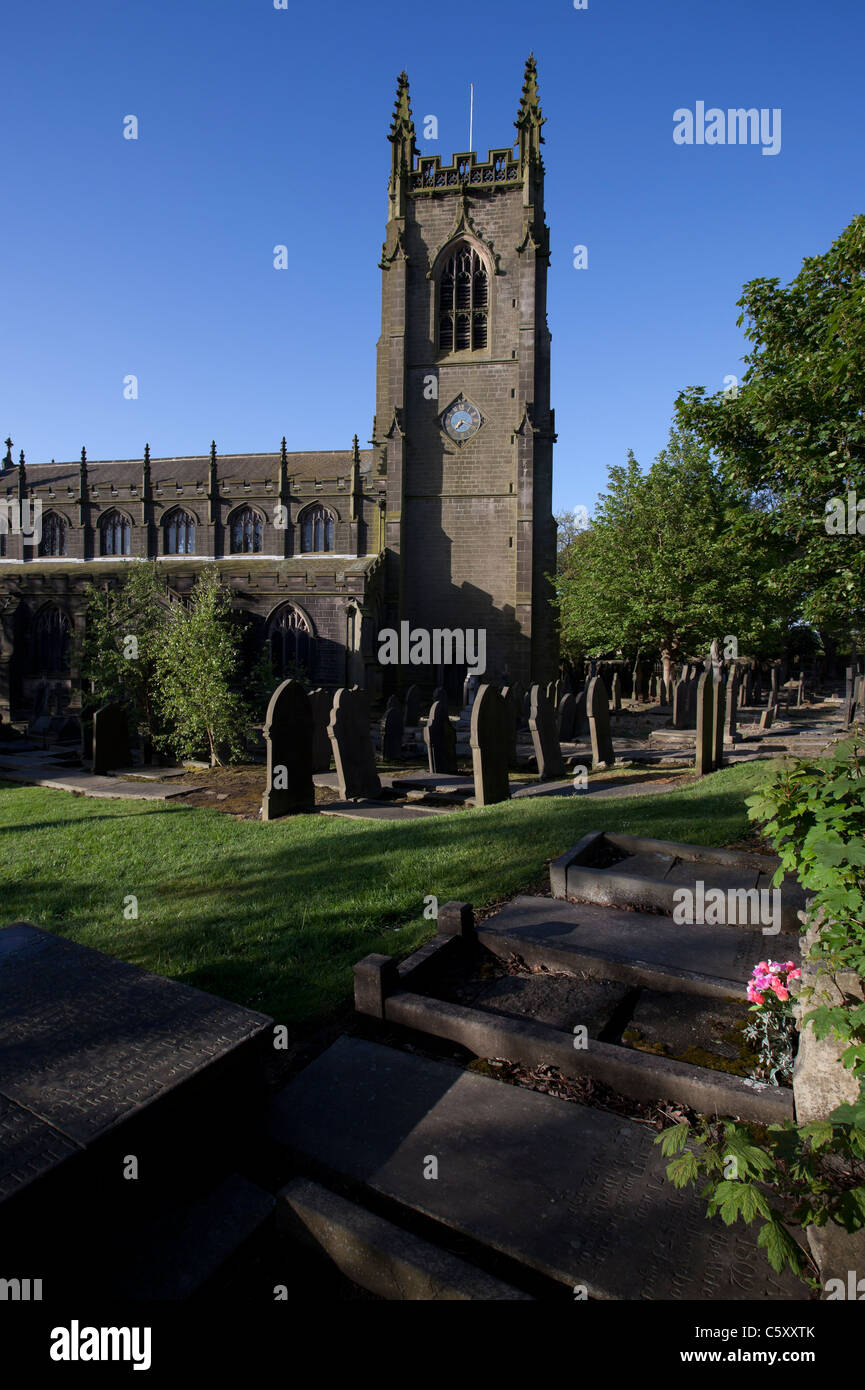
<point>118,652</point>
<point>794,433</point>
<point>663,566</point>
<point>198,674</point>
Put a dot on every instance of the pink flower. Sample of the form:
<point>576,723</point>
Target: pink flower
<point>794,974</point>
<point>783,994</point>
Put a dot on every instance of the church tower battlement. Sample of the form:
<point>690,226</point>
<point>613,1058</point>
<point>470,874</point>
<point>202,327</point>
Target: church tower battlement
<point>463,431</point>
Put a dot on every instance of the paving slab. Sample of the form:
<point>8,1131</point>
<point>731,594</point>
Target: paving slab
<point>89,1041</point>
<point>88,784</point>
<point>640,947</point>
<point>575,1193</point>
<point>707,1033</point>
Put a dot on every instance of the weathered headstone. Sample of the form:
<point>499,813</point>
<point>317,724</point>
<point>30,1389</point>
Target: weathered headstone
<point>598,709</point>
<point>705,759</point>
<point>581,718</point>
<point>616,692</point>
<point>441,739</point>
<point>800,692</point>
<point>734,686</point>
<point>542,724</point>
<point>718,710</point>
<point>352,746</point>
<point>554,693</point>
<point>321,704</point>
<point>767,718</point>
<point>288,735</point>
<point>470,690</point>
<point>412,706</point>
<point>567,717</point>
<point>110,739</point>
<point>511,720</point>
<point>392,729</point>
<point>680,704</point>
<point>518,696</point>
<point>489,744</point>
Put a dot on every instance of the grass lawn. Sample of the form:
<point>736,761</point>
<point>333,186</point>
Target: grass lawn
<point>274,916</point>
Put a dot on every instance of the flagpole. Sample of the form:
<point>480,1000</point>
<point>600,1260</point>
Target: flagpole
<point>471,114</point>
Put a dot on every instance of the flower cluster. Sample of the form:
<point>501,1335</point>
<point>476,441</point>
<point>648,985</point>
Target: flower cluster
<point>772,977</point>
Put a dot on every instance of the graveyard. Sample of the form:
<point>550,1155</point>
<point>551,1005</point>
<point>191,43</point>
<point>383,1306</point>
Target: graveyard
<point>548,991</point>
<point>411,892</point>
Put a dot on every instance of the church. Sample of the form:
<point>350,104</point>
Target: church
<point>444,521</point>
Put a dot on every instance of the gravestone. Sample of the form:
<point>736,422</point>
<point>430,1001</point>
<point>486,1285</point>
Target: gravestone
<point>734,686</point>
<point>653,687</point>
<point>511,725</point>
<point>705,759</point>
<point>489,744</point>
<point>598,709</point>
<point>412,706</point>
<point>288,735</point>
<point>440,695</point>
<point>767,718</point>
<point>110,739</point>
<point>849,677</point>
<point>441,739</point>
<point>693,696</point>
<point>581,718</point>
<point>518,696</point>
<point>800,692</point>
<point>680,704</point>
<point>567,717</point>
<point>641,686</point>
<point>321,704</point>
<point>470,690</point>
<point>352,747</point>
<point>616,692</point>
<point>718,707</point>
<point>392,729</point>
<point>542,724</point>
<point>554,693</point>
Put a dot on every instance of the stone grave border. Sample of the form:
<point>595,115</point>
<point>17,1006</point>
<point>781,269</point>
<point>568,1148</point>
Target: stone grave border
<point>572,877</point>
<point>392,993</point>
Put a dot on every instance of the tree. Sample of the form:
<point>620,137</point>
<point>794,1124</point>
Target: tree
<point>794,433</point>
<point>197,674</point>
<point>662,566</point>
<point>119,649</point>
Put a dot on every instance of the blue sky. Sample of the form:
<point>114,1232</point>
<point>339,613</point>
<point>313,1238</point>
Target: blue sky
<point>260,126</point>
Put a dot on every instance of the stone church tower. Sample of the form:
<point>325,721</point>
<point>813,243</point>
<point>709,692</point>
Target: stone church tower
<point>463,430</point>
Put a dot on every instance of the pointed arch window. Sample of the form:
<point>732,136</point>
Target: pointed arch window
<point>247,531</point>
<point>179,533</point>
<point>291,642</point>
<point>50,641</point>
<point>53,540</point>
<point>114,534</point>
<point>316,530</point>
<point>463,302</point>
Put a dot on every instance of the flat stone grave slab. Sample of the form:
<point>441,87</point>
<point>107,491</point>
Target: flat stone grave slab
<point>88,1042</point>
<point>631,871</point>
<point>558,1000</point>
<point>575,1193</point>
<point>433,781</point>
<point>637,946</point>
<point>375,810</point>
<point>706,1033</point>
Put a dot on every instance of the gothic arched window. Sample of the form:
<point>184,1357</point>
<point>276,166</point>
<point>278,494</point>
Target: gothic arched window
<point>316,529</point>
<point>463,302</point>
<point>246,531</point>
<point>51,639</point>
<point>290,641</point>
<point>114,534</point>
<point>179,533</point>
<point>53,540</point>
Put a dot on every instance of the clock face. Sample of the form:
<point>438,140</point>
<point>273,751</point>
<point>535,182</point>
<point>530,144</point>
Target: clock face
<point>461,420</point>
